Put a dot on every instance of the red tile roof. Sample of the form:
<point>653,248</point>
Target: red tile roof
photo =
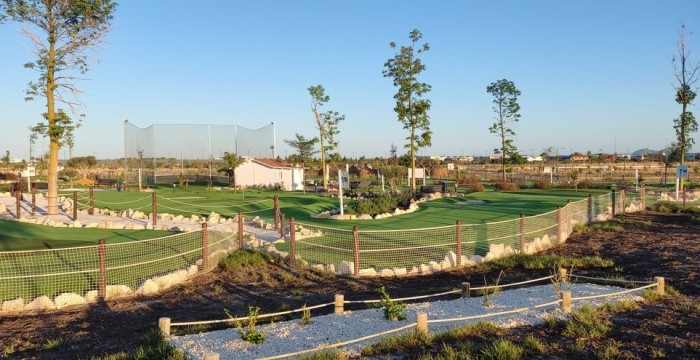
<point>272,163</point>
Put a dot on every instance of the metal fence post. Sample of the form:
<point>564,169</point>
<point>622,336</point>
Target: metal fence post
<point>282,232</point>
<point>91,207</point>
<point>205,247</point>
<point>356,249</point>
<point>154,209</point>
<point>292,243</point>
<point>614,203</point>
<point>590,208</point>
<point>102,264</point>
<point>75,205</point>
<point>18,195</point>
<point>276,205</point>
<point>33,201</point>
<point>522,233</point>
<point>459,243</point>
<point>559,237</point>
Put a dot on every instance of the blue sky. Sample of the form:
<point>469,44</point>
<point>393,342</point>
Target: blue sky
<point>593,74</point>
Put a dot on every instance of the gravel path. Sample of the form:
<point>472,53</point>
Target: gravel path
<point>292,336</point>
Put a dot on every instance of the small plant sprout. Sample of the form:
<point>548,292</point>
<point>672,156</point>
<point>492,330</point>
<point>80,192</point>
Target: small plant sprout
<point>251,334</point>
<point>561,282</point>
<point>491,292</point>
<point>305,315</point>
<point>392,310</point>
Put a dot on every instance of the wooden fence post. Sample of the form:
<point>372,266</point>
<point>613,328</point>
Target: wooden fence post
<point>212,356</point>
<point>292,243</point>
<point>276,205</point>
<point>356,249</point>
<point>563,274</point>
<point>522,233</point>
<point>623,194</point>
<point>91,207</point>
<point>643,195</point>
<point>282,232</point>
<point>154,209</point>
<point>566,301</point>
<point>205,247</point>
<point>422,322</point>
<point>590,208</point>
<point>102,262</point>
<point>459,243</point>
<point>75,205</point>
<point>660,285</point>
<point>18,195</point>
<point>33,201</point>
<point>339,303</point>
<point>240,230</point>
<point>164,325</point>
<point>569,219</point>
<point>614,199</point>
<point>466,290</point>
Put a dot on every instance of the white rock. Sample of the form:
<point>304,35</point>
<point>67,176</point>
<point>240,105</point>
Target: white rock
<point>346,268</point>
<point>476,259</point>
<point>545,243</point>
<point>444,265</point>
<point>3,208</point>
<point>371,272</point>
<point>91,296</point>
<point>434,266</point>
<point>424,269</point>
<point>138,227</point>
<point>68,299</point>
<point>330,268</point>
<point>178,218</point>
<point>194,218</point>
<point>399,271</point>
<point>451,258</point>
<point>114,291</point>
<point>149,287</point>
<point>91,226</point>
<point>192,270</point>
<point>414,271</point>
<point>40,303</point>
<point>318,267</point>
<point>364,217</point>
<point>13,305</point>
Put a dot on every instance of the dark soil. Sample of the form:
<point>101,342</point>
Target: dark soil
<point>652,245</point>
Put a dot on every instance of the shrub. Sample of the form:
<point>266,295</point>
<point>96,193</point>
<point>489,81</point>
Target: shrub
<point>380,203</point>
<point>243,258</point>
<point>540,184</point>
<point>506,186</point>
<point>502,349</point>
<point>566,185</point>
<point>392,310</point>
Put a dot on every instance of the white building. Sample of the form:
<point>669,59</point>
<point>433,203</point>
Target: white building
<point>269,172</point>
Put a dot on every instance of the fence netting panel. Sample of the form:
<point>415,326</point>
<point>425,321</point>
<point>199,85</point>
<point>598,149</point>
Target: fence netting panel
<point>542,227</point>
<point>390,249</point>
<point>29,274</point>
<point>325,245</point>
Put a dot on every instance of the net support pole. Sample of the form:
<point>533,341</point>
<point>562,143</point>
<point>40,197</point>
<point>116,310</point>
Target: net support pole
<point>75,206</point>
<point>466,290</point>
<point>569,218</point>
<point>339,303</point>
<point>459,243</point>
<point>356,250</point>
<point>240,230</point>
<point>614,200</point>
<point>522,233</point>
<point>154,209</point>
<point>590,208</point>
<point>102,263</point>
<point>292,243</point>
<point>33,201</point>
<point>276,204</point>
<point>18,195</point>
<point>91,208</point>
<point>205,246</point>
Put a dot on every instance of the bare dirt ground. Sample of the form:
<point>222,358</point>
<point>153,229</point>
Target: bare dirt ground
<point>652,245</point>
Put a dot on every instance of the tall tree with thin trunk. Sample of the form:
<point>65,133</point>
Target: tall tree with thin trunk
<point>411,108</point>
<point>686,74</point>
<point>303,146</point>
<point>63,32</point>
<point>326,123</point>
<point>505,105</point>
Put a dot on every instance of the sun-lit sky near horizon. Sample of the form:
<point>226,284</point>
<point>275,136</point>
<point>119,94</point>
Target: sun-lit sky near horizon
<point>594,75</point>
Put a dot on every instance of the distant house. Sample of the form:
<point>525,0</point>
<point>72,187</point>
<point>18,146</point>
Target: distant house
<point>579,157</point>
<point>270,172</point>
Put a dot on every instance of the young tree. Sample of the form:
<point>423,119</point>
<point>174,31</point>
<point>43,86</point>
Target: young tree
<point>6,160</point>
<point>65,31</point>
<point>686,74</point>
<point>83,164</point>
<point>231,162</point>
<point>392,173</point>
<point>505,105</point>
<point>326,123</point>
<point>411,108</point>
<point>303,146</point>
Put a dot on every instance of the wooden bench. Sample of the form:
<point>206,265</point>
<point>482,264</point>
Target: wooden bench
<point>110,183</point>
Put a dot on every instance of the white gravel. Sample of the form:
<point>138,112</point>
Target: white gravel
<point>291,336</point>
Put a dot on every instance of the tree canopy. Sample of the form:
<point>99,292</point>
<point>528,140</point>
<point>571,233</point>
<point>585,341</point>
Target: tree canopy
<point>231,162</point>
<point>326,124</point>
<point>303,146</point>
<point>505,105</point>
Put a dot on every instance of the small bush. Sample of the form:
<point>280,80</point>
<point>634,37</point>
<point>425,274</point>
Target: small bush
<point>540,184</point>
<point>589,184</point>
<point>251,335</point>
<point>586,323</point>
<point>566,185</point>
<point>380,203</point>
<point>399,343</point>
<point>534,345</point>
<point>506,186</point>
<point>392,310</point>
<point>243,258</point>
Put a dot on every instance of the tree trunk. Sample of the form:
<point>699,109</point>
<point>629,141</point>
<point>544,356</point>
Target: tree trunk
<point>52,208</point>
<point>413,159</point>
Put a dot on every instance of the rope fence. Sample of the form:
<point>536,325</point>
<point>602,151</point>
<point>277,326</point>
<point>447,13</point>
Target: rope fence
<point>422,321</point>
